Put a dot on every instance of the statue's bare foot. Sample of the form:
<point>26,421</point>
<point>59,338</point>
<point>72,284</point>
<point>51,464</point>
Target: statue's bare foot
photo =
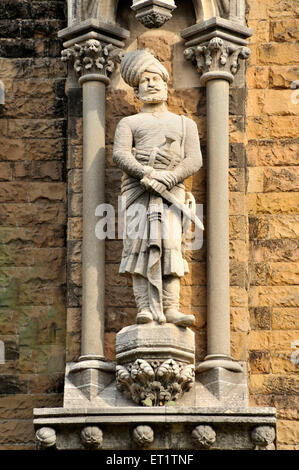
<point>144,316</point>
<point>179,319</point>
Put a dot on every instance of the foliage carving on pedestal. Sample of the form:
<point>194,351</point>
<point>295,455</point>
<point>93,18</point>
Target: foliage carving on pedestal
<point>155,383</point>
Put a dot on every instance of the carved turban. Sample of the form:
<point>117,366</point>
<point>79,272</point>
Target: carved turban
<point>135,63</point>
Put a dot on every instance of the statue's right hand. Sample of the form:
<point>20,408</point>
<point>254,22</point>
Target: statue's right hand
<point>150,184</point>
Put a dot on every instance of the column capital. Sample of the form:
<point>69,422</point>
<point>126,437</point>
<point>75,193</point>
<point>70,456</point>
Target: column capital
<point>217,59</point>
<point>216,47</point>
<point>92,47</point>
<point>92,59</point>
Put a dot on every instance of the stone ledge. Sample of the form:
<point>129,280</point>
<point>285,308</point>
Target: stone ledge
<point>173,428</point>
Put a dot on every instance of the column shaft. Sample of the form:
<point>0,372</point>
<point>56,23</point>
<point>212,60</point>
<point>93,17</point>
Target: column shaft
<point>93,250</point>
<point>218,217</point>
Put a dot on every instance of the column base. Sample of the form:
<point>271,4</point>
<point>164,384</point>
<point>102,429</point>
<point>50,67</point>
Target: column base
<point>84,380</point>
<point>219,360</point>
<point>222,387</point>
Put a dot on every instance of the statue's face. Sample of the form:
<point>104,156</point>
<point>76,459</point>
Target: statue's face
<point>152,88</point>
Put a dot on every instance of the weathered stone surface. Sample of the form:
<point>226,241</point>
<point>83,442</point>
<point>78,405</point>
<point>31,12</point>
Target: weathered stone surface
<point>271,102</point>
<point>273,384</point>
<point>257,77</point>
<point>75,228</point>
<point>281,179</point>
<point>21,406</point>
<point>15,431</point>
<point>265,296</point>
<point>283,127</point>
<point>285,30</point>
<point>255,180</point>
<point>275,250</point>
<point>35,128</point>
<point>273,203</point>
<point>281,8</point>
<point>272,153</point>
<point>285,319</point>
<point>261,30</point>
<point>278,53</point>
<point>258,274</point>
<point>283,274</point>
<point>260,318</point>
<point>257,128</point>
<point>259,227</point>
<point>287,432</point>
<point>284,226</point>
<point>259,362</point>
<point>281,76</point>
<point>259,340</point>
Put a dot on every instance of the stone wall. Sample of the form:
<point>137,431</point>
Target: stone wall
<point>272,204</point>
<point>32,215</point>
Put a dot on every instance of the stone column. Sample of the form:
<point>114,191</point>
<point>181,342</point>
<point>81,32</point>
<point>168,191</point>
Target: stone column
<point>216,47</point>
<point>93,54</point>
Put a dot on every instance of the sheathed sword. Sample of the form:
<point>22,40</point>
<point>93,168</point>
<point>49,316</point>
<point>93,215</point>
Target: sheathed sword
<point>169,197</point>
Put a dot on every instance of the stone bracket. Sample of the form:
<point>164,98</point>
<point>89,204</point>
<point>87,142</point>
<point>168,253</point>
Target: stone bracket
<point>153,13</point>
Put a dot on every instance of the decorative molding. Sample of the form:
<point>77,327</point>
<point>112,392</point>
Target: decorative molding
<point>217,57</point>
<point>92,437</point>
<point>263,438</point>
<point>93,57</point>
<point>143,436</point>
<point>153,13</point>
<point>203,436</point>
<point>155,383</point>
<point>45,438</point>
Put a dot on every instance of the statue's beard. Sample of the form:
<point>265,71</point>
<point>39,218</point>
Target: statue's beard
<point>158,97</point>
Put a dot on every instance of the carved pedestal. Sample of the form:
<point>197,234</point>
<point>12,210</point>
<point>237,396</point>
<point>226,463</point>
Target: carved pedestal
<point>155,363</point>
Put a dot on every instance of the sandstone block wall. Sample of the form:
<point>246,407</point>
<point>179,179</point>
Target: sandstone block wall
<point>32,215</point>
<point>272,204</point>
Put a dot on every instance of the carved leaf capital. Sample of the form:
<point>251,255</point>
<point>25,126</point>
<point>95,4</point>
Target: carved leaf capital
<point>92,56</point>
<point>217,56</point>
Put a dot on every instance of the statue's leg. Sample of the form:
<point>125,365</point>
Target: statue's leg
<point>140,289</point>
<point>171,302</point>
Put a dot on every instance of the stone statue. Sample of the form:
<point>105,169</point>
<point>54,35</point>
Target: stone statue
<point>156,150</point>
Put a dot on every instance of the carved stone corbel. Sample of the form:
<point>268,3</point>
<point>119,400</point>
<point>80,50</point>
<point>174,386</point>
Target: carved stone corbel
<point>203,436</point>
<point>143,436</point>
<point>153,13</point>
<point>263,438</point>
<point>92,437</point>
<point>45,438</point>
